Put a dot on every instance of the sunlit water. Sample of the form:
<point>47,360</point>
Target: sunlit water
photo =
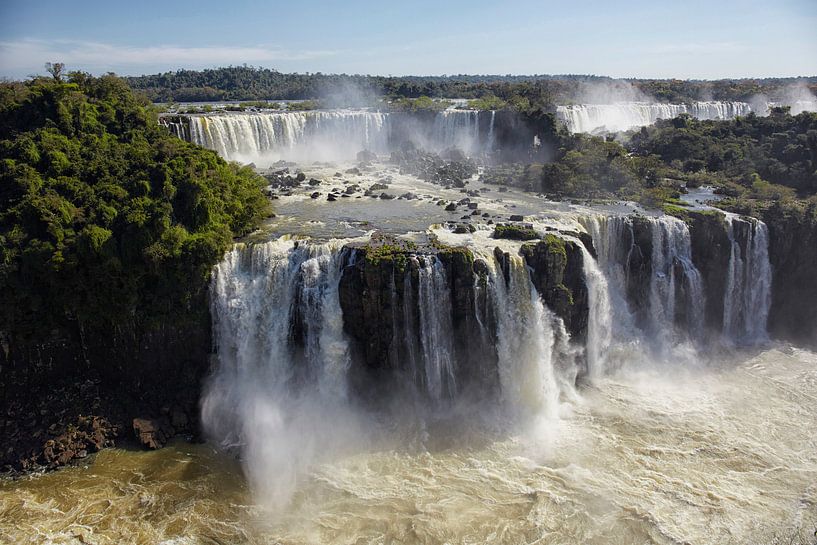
<point>662,454</point>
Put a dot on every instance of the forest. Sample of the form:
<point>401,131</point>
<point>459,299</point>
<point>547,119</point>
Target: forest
<point>251,83</point>
<point>106,220</point>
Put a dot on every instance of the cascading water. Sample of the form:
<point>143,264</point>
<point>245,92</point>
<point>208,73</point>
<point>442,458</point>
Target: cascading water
<point>279,392</point>
<point>675,279</point>
<point>670,307</point>
<point>525,342</point>
<point>435,330</point>
<point>323,134</point>
<point>748,283</point>
<point>626,115</point>
<point>328,134</point>
<point>600,318</point>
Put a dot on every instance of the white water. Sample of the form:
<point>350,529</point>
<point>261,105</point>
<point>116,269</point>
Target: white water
<point>282,406</point>
<point>525,344</point>
<point>673,279</point>
<point>436,330</point>
<point>327,134</point>
<point>749,281</point>
<point>292,135</point>
<point>672,250</point>
<point>622,116</point>
<point>600,318</point>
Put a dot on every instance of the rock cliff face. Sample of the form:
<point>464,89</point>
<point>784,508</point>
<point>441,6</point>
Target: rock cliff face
<point>80,391</point>
<point>793,256</point>
<point>557,272</point>
<point>381,299</point>
<point>710,254</point>
<point>86,390</point>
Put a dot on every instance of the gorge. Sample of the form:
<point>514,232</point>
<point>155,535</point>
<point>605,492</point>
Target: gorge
<point>408,351</point>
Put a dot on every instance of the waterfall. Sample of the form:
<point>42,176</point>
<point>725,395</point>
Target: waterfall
<point>627,115</point>
<point>279,391</point>
<point>661,301</point>
<point>320,134</point>
<point>491,136</point>
<point>457,128</point>
<point>258,292</point>
<point>436,330</point>
<point>600,319</point>
<point>525,342</point>
<point>675,279</point>
<point>748,282</point>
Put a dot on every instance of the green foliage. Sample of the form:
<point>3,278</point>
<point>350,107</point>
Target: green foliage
<point>303,105</point>
<point>515,232</point>
<point>525,93</point>
<point>105,218</point>
<point>418,104</point>
<point>590,167</point>
<point>751,151</point>
<point>489,102</point>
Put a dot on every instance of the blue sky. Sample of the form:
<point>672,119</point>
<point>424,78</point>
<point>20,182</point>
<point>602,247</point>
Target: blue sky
<point>636,38</point>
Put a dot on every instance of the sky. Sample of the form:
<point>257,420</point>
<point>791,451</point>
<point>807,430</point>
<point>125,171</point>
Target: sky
<point>637,38</point>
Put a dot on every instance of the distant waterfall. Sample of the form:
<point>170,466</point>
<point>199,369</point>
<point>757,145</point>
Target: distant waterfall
<point>293,135</point>
<point>458,129</point>
<point>436,329</point>
<point>627,115</point>
<point>748,283</point>
<point>331,134</point>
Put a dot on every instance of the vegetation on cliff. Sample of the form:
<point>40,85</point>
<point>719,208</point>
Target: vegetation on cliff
<point>106,220</point>
<point>749,153</point>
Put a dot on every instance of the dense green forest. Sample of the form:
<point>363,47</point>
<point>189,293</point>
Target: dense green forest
<point>105,218</point>
<point>772,158</point>
<point>249,83</point>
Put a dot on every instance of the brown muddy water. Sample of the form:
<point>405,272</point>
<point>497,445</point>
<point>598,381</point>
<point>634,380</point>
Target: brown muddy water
<point>656,455</point>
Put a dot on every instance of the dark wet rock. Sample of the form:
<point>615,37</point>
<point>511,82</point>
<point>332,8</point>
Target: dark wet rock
<point>517,217</point>
<point>408,196</point>
<point>315,195</point>
<point>451,207</point>
<point>300,177</point>
<point>378,186</point>
<point>557,271</point>
<point>515,232</point>
<point>366,156</point>
<point>462,228</point>
<point>153,433</point>
<point>314,181</point>
<point>386,196</point>
<point>473,205</point>
<point>793,257</point>
<point>331,198</point>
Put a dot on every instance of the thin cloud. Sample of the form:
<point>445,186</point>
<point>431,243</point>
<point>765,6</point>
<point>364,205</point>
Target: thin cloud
<point>700,48</point>
<point>23,57</point>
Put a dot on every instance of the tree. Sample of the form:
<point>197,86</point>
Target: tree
<point>55,69</point>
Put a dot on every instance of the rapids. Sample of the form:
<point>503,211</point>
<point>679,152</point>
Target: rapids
<point>639,429</point>
<point>652,455</point>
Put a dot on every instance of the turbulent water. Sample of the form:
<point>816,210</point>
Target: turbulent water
<point>622,116</point>
<point>490,427</point>
<point>668,455</point>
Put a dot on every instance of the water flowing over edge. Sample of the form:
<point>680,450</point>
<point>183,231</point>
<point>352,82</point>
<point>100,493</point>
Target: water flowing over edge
<point>288,373</point>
